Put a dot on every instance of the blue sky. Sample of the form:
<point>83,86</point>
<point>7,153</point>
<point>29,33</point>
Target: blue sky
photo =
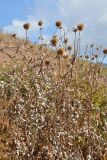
<point>93,14</point>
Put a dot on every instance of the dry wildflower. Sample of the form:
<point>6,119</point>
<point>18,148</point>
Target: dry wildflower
<point>80,26</point>
<point>75,29</point>
<point>97,48</point>
<point>60,51</point>
<point>65,56</point>
<point>54,41</point>
<point>81,56</point>
<point>40,23</point>
<point>58,24</point>
<point>92,45</point>
<point>66,40</point>
<point>96,55</point>
<point>26,26</point>
<point>92,58</point>
<point>69,48</point>
<point>87,56</point>
<point>47,62</point>
<point>105,51</point>
<point>14,35</point>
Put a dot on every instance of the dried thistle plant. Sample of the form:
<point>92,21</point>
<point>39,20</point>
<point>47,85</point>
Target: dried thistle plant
<point>26,26</point>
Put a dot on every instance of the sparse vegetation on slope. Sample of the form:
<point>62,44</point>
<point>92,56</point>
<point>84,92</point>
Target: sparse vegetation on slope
<point>52,99</point>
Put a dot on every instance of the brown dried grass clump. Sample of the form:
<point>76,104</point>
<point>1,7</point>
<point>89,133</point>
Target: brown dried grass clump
<point>80,26</point>
<point>58,24</point>
<point>40,23</point>
<point>105,51</point>
<point>26,26</point>
<point>61,51</point>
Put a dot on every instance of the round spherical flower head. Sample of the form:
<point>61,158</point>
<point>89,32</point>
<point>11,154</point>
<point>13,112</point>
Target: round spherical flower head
<point>69,48</point>
<point>58,24</point>
<point>47,62</point>
<point>61,51</point>
<point>75,29</point>
<point>66,40</point>
<point>26,26</point>
<point>54,41</point>
<point>80,27</point>
<point>81,56</point>
<point>96,55</point>
<point>87,56</point>
<point>105,51</point>
<point>92,58</point>
<point>40,23</point>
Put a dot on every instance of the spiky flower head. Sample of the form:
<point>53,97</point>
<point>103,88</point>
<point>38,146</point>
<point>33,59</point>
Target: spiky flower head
<point>93,58</point>
<point>54,41</point>
<point>92,45</point>
<point>69,48</point>
<point>40,23</point>
<point>66,40</point>
<point>87,56</point>
<point>60,51</point>
<point>105,51</point>
<point>80,26</point>
<point>96,55</point>
<point>75,29</point>
<point>58,24</point>
<point>97,48</point>
<point>26,26</point>
<point>81,56</point>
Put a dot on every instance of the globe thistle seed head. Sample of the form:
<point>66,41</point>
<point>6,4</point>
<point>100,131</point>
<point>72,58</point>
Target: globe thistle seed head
<point>66,40</point>
<point>75,29</point>
<point>40,23</point>
<point>54,41</point>
<point>92,45</point>
<point>47,62</point>
<point>60,51</point>
<point>105,51</point>
<point>80,26</point>
<point>69,48</point>
<point>14,35</point>
<point>26,26</point>
<point>81,56</point>
<point>96,55</point>
<point>93,58</point>
<point>97,48</point>
<point>87,56</point>
<point>58,24</point>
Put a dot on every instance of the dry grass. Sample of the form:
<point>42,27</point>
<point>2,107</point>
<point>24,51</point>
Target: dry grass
<point>52,100</point>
